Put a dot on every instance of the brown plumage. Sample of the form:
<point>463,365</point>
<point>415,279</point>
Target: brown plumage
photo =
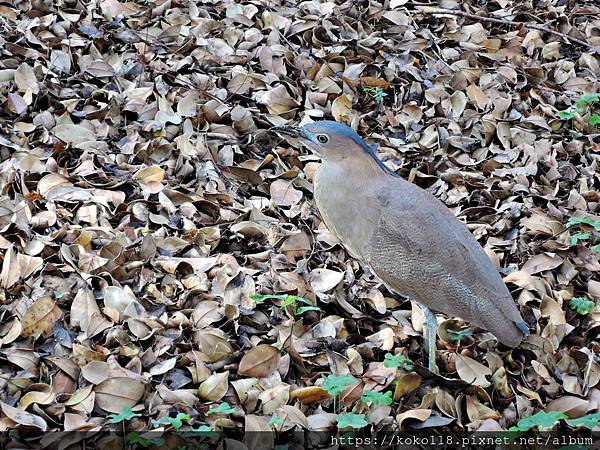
<point>406,235</point>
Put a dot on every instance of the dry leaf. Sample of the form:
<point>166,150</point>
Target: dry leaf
<point>147,200</point>
<point>472,372</point>
<point>40,317</point>
<point>73,134</point>
<point>259,362</point>
<point>341,109</point>
<point>324,280</point>
<point>214,387</point>
<point>23,418</point>
<point>114,394</point>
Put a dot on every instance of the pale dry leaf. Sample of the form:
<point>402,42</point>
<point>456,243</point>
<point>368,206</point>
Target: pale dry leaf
<point>11,270</point>
<point>40,317</point>
<point>23,417</point>
<point>259,362</point>
<point>472,372</point>
<point>115,394</point>
<point>324,280</point>
<point>341,109</point>
<point>150,178</point>
<point>214,387</point>
<point>417,414</point>
<point>73,134</point>
<point>25,79</point>
<point>283,193</point>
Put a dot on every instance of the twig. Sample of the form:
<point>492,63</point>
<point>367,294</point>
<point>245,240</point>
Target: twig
<point>511,23</point>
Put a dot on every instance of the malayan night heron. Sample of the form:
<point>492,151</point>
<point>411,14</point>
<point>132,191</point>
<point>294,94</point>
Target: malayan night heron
<point>408,238</point>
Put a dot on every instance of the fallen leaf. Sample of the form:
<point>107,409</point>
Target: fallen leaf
<point>114,394</point>
<point>323,280</point>
<point>73,134</point>
<point>214,387</point>
<point>40,317</point>
<point>472,372</point>
<point>259,362</point>
<point>341,109</point>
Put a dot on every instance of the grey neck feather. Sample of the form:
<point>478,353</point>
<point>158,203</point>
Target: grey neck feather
<point>371,151</point>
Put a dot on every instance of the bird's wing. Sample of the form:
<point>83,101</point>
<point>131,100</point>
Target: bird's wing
<point>420,226</point>
<point>421,249</point>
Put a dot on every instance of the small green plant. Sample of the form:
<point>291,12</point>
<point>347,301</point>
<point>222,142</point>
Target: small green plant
<point>145,442</point>
<point>583,234</point>
<point>276,422</point>
<point>398,361</point>
<point>202,428</point>
<point>590,421</point>
<point>126,415</point>
<point>223,408</point>
<point>288,300</point>
<point>459,335</point>
<point>582,104</point>
<point>575,238</point>
<point>351,420</point>
<point>583,221</point>
<point>336,384</point>
<point>204,431</point>
<point>376,92</point>
<point>582,305</point>
<point>377,398</point>
<point>542,421</point>
<point>175,422</point>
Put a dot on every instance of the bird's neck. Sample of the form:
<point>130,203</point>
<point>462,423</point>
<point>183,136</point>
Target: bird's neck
<point>345,191</point>
<point>356,167</point>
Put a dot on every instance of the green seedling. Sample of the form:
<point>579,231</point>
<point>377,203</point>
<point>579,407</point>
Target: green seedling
<point>582,305</point>
<point>542,421</point>
<point>595,224</point>
<point>288,301</point>
<point>336,384</point>
<point>590,421</point>
<point>582,222</point>
<point>202,431</point>
<point>459,335</point>
<point>126,415</point>
<point>223,408</point>
<point>377,93</point>
<point>582,104</point>
<point>276,422</point>
<point>398,361</point>
<point>377,398</point>
<point>145,442</point>
<point>575,238</point>
<point>175,422</point>
<point>587,99</point>
<point>351,420</point>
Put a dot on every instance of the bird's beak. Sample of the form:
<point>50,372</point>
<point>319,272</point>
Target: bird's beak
<point>287,130</point>
<point>297,132</point>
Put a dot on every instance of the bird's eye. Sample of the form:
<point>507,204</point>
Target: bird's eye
<point>322,138</point>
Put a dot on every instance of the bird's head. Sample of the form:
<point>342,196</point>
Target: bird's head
<point>328,139</point>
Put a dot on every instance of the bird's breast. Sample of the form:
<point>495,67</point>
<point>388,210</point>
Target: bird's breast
<point>347,207</point>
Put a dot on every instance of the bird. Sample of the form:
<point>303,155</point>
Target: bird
<point>406,236</point>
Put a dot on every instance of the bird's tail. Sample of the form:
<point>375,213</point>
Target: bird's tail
<point>510,332</point>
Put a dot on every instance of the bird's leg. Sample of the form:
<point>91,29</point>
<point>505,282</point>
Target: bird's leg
<point>430,336</point>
